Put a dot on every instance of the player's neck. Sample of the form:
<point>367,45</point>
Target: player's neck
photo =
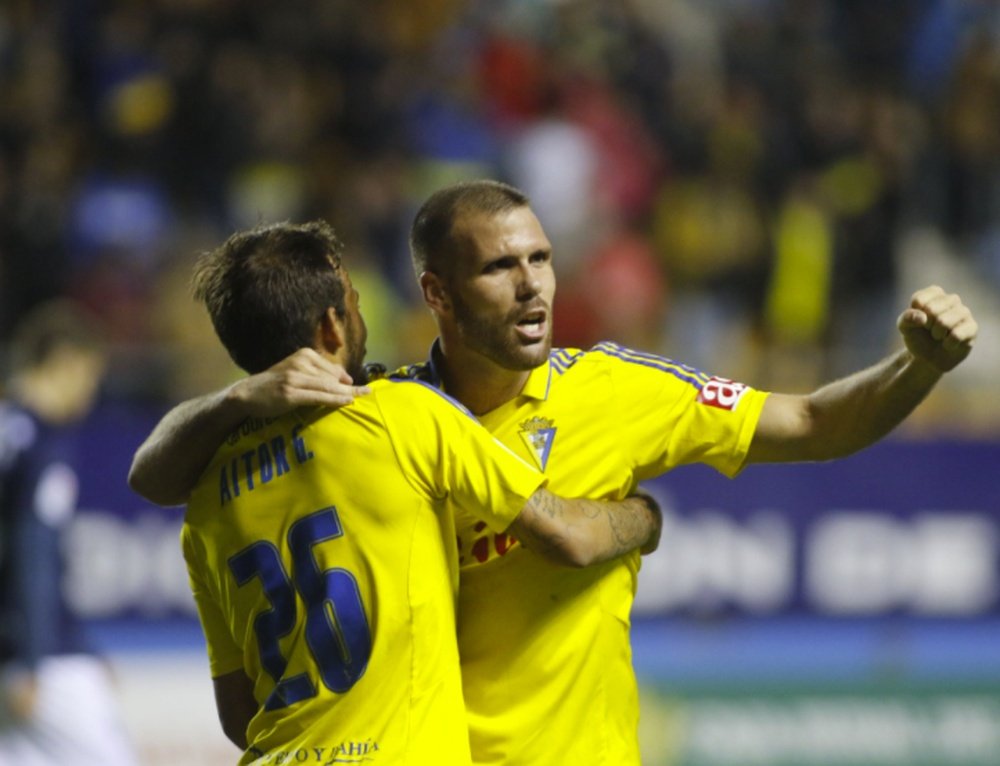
<point>476,381</point>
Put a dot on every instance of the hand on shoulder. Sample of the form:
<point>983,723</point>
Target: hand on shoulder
<point>304,378</point>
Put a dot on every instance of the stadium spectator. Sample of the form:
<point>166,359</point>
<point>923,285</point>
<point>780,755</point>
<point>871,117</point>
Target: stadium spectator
<point>128,131</point>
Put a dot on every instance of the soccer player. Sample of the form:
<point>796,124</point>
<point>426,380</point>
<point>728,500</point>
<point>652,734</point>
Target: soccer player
<point>545,653</point>
<point>321,545</point>
<point>57,702</point>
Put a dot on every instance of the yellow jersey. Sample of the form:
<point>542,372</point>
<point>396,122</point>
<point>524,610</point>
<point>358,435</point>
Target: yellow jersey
<point>321,548</point>
<point>545,652</point>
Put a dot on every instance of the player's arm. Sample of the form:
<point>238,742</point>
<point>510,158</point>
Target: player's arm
<point>445,452</point>
<point>236,705</point>
<point>168,464</point>
<point>845,416</point>
<point>582,532</point>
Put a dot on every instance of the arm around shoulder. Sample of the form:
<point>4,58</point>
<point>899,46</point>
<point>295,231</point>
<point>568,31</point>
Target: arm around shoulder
<point>169,463</point>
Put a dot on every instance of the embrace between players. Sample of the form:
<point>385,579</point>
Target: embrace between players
<point>391,571</point>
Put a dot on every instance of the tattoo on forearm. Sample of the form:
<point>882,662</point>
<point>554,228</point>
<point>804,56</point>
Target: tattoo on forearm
<point>539,538</point>
<point>630,523</point>
<point>605,529</point>
<point>546,503</point>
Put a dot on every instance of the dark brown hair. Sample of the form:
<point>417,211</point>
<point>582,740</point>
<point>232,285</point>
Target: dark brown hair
<point>267,288</point>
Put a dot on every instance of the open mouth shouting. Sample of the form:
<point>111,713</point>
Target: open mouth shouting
<point>533,325</point>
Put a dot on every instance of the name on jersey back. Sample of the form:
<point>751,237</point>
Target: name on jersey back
<point>265,461</point>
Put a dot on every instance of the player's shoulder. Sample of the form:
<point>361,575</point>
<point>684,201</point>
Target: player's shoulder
<point>613,369</point>
<point>412,394</point>
<point>606,354</point>
<point>615,356</point>
<point>573,363</point>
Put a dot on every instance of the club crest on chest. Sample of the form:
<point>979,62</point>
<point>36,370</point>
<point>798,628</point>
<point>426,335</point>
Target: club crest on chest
<point>539,434</point>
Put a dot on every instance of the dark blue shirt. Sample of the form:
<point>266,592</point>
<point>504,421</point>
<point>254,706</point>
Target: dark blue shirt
<point>38,497</point>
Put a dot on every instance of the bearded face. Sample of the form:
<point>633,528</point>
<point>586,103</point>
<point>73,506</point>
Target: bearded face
<point>517,339</point>
<point>502,288</point>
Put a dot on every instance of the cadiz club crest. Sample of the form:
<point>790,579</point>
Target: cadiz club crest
<point>538,434</point>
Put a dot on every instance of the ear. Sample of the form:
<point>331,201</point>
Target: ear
<point>330,334</point>
<point>435,294</point>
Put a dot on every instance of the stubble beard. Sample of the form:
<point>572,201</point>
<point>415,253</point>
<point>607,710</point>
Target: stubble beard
<point>497,340</point>
<point>355,367</point>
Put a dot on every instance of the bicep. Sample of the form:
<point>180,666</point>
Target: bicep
<point>784,431</point>
<point>167,465</point>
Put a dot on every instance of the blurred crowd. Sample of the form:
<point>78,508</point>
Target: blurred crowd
<point>753,187</point>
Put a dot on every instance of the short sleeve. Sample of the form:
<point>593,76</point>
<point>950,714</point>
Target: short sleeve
<point>224,655</point>
<point>678,415</point>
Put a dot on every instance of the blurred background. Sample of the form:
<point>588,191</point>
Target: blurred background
<point>752,187</point>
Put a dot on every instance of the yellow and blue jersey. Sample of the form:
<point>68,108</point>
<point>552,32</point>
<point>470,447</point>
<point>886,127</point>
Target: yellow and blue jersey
<point>546,658</point>
<point>322,557</point>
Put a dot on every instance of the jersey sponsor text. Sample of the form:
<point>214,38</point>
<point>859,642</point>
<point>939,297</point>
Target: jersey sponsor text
<point>722,393</point>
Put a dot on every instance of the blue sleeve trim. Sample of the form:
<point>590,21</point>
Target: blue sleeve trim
<point>680,371</point>
<point>562,359</point>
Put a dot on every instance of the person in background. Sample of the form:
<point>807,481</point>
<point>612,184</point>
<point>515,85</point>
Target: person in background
<point>57,701</point>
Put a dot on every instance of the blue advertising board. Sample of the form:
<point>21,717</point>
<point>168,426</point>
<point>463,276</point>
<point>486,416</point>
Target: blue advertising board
<point>908,528</point>
<point>904,529</point>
